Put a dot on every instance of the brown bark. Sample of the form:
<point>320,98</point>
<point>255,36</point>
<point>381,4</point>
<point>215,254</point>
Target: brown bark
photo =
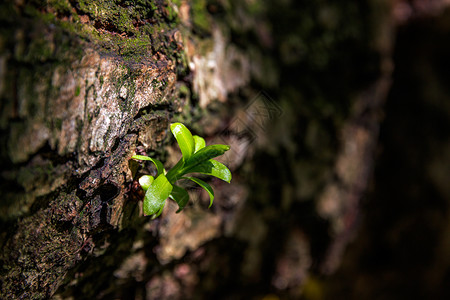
<point>72,115</point>
<point>296,89</point>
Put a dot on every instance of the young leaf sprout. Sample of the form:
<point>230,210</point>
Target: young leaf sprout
<point>196,158</point>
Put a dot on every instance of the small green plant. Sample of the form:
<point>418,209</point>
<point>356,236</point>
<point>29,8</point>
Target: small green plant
<point>196,158</point>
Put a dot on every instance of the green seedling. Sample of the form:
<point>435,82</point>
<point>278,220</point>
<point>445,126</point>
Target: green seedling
<point>196,158</point>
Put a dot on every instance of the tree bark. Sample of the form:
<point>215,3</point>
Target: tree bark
<point>79,93</point>
<point>296,89</point>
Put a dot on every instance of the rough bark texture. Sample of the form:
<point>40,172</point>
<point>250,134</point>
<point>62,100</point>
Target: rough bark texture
<point>296,89</point>
<point>73,112</point>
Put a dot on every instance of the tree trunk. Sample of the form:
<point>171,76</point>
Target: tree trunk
<point>297,90</point>
<point>81,91</point>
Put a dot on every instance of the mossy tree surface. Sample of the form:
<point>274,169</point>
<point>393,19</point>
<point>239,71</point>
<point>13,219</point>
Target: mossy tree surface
<point>84,85</point>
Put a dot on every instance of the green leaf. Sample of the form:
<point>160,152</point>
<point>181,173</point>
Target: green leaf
<point>184,139</point>
<point>159,211</point>
<point>156,195</point>
<point>158,164</point>
<point>145,181</point>
<point>171,175</point>
<point>214,168</point>
<point>203,155</point>
<point>204,185</point>
<point>199,143</point>
<point>180,196</point>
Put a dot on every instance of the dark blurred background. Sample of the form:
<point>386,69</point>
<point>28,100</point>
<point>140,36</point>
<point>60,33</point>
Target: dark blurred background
<point>403,247</point>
